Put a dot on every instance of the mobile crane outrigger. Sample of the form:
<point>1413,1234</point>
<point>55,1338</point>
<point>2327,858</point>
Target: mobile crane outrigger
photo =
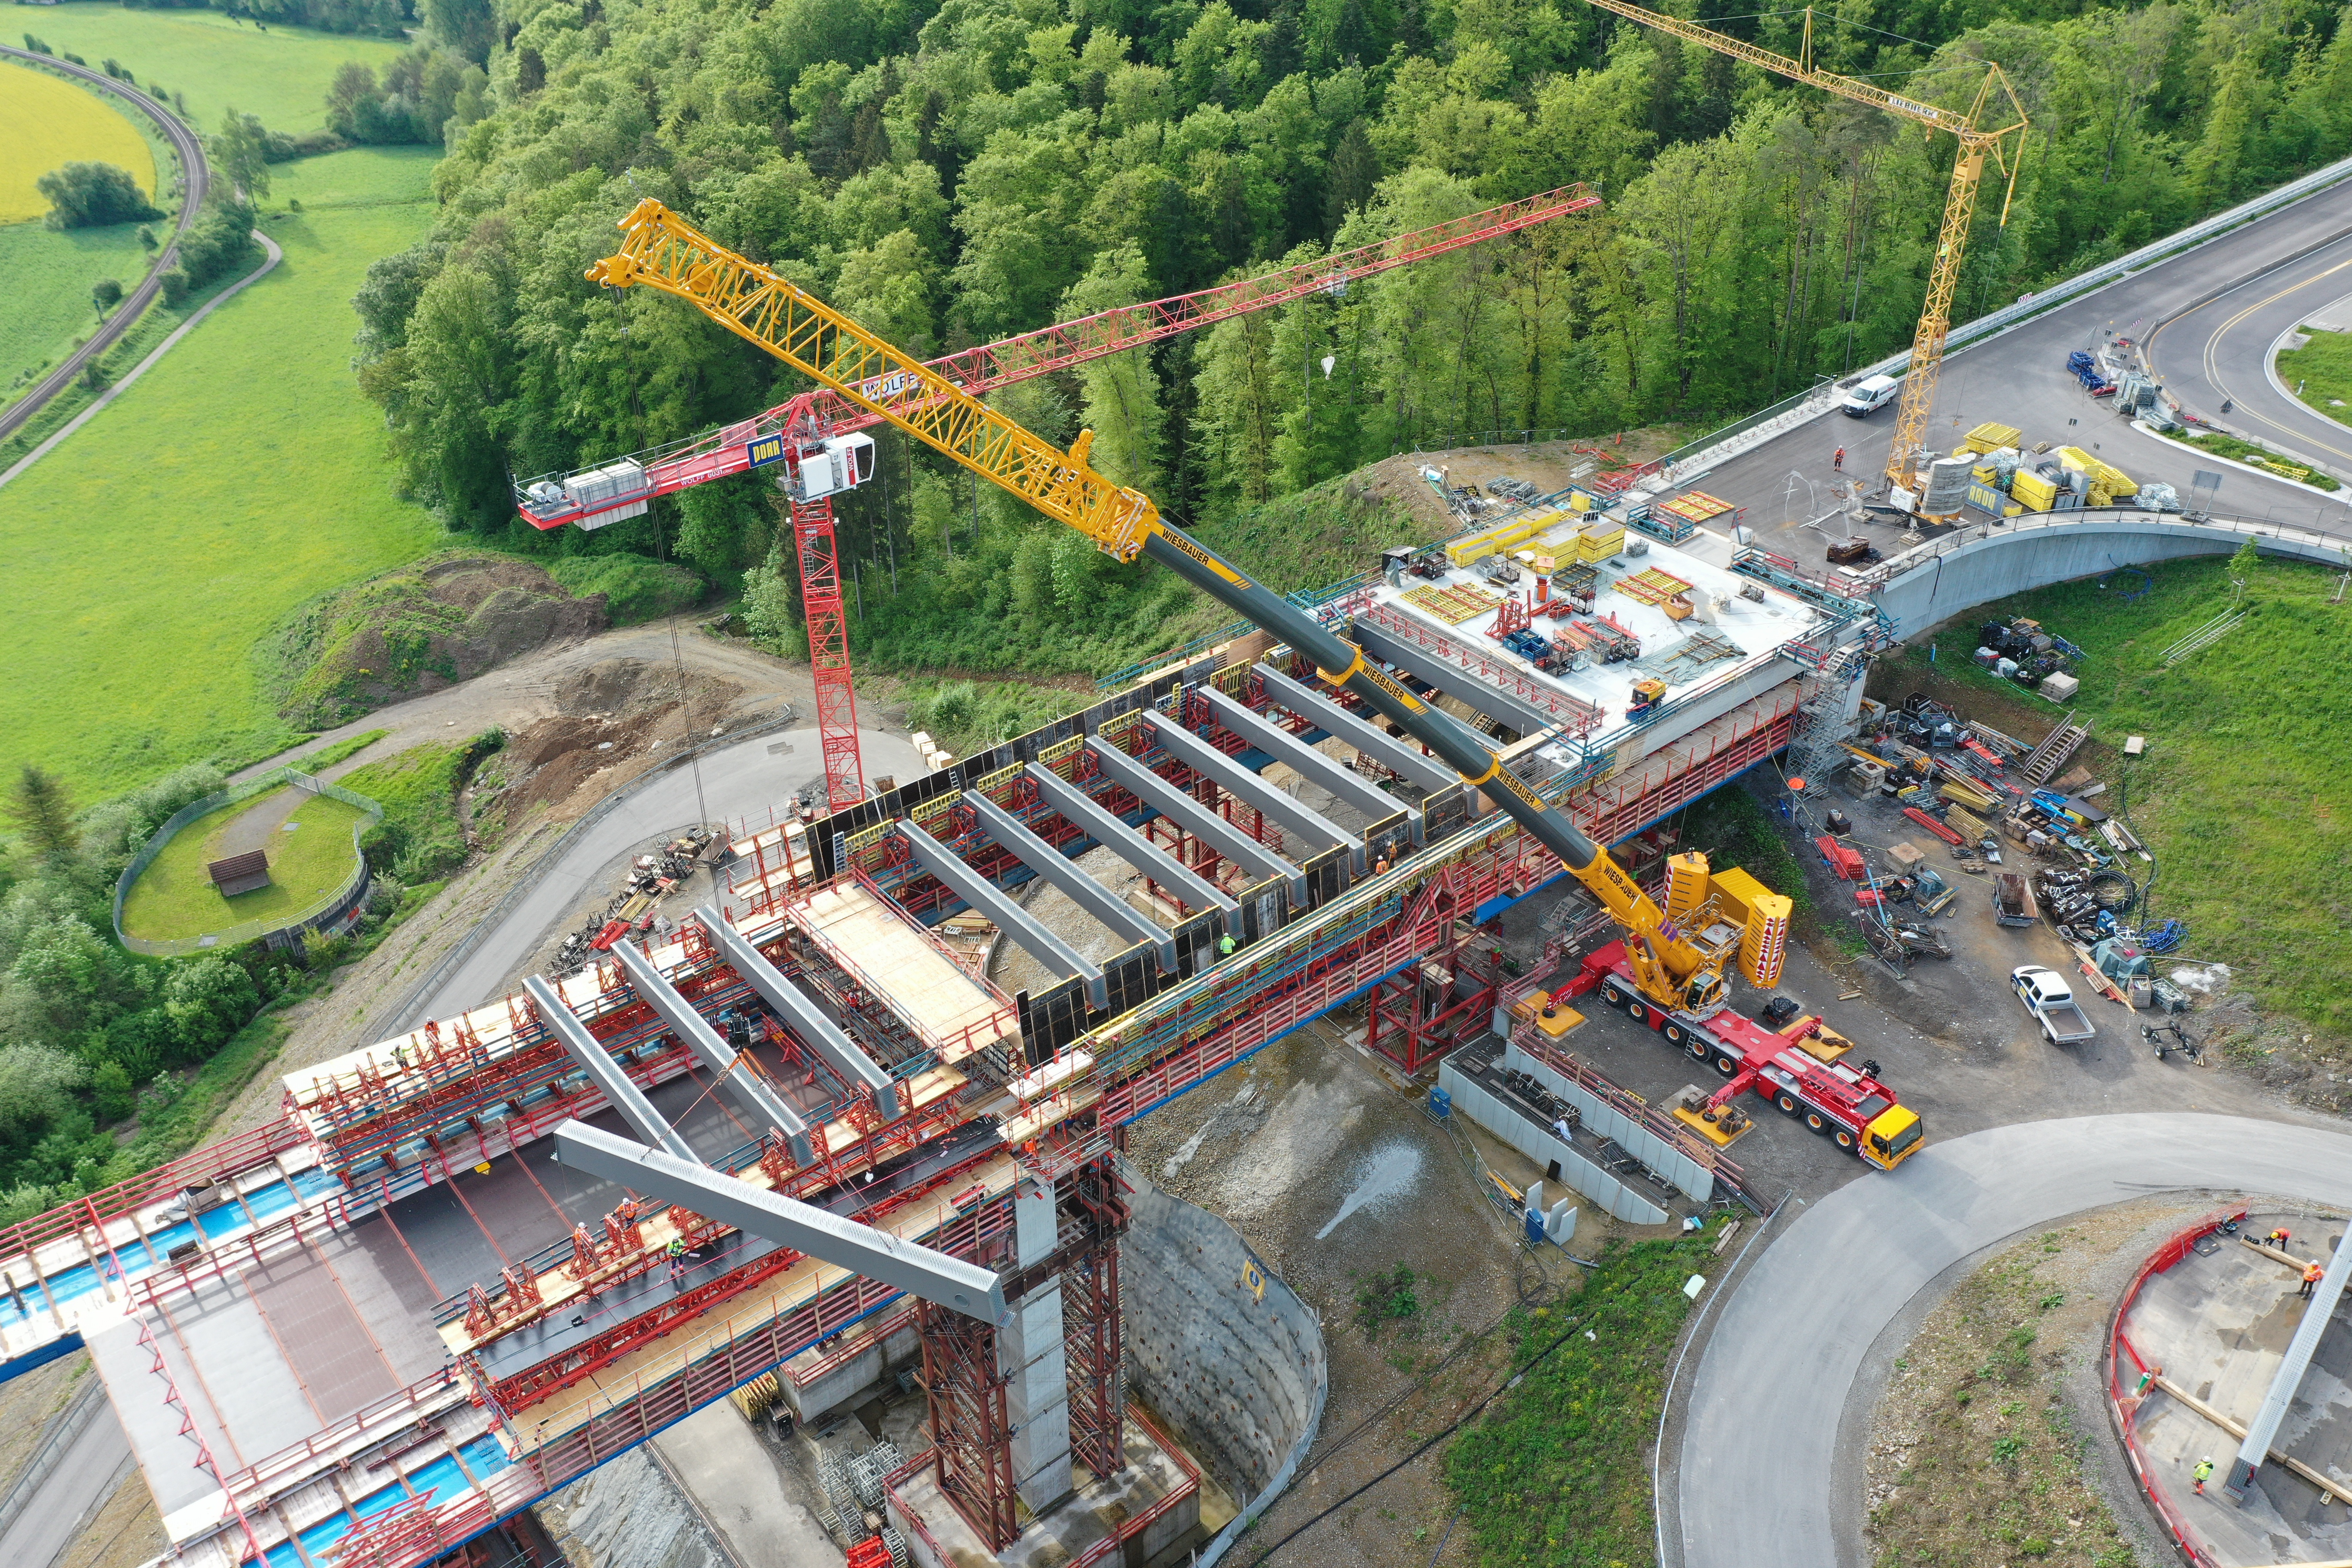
<point>1680,977</point>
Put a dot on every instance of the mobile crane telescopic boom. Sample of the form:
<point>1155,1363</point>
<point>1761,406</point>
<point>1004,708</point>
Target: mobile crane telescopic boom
<point>2003,143</point>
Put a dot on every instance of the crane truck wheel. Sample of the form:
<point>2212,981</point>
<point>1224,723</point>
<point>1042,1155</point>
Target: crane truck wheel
<point>1635,1011</point>
<point>1726,1063</point>
<point>1610,996</point>
<point>1788,1103</point>
<point>1816,1122</point>
<point>1697,1050</point>
<point>1676,1035</point>
<point>1843,1138</point>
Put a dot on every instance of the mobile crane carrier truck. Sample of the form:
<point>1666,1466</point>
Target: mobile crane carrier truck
<point>1673,979</point>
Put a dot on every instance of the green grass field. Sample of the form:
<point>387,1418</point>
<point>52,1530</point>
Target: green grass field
<point>47,122</point>
<point>49,277</point>
<point>174,899</point>
<point>2321,372</point>
<point>212,61</point>
<point>2242,794</point>
<point>242,476</point>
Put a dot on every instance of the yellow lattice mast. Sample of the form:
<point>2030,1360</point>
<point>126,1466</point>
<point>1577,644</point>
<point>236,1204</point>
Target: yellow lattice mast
<point>2002,144</point>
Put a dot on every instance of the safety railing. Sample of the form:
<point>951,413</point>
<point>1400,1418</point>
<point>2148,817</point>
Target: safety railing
<point>329,906</point>
<point>2123,1404</point>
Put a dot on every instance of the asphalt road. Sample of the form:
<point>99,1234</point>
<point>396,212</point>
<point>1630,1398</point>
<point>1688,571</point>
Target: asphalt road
<point>2192,307</point>
<point>96,1461</point>
<point>741,780</point>
<point>191,149</point>
<point>1780,1369</point>
<point>2219,352</point>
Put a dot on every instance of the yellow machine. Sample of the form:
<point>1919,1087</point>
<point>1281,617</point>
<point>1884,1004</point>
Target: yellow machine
<point>2003,143</point>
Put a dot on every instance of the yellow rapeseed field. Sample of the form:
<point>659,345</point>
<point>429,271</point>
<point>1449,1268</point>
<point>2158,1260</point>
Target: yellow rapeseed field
<point>45,122</point>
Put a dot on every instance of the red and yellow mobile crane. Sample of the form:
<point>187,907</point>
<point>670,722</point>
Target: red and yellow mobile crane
<point>1672,976</point>
<point>816,436</point>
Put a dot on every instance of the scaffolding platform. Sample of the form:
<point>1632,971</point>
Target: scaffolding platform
<point>952,1011</point>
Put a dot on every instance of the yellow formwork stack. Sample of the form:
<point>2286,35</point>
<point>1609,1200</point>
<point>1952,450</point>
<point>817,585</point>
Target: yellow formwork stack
<point>1478,546</point>
<point>1599,541</point>
<point>2032,492</point>
<point>1988,438</point>
<point>2108,484</point>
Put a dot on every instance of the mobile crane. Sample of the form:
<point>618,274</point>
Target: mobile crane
<point>816,436</point>
<point>1679,976</point>
<point>2003,144</point>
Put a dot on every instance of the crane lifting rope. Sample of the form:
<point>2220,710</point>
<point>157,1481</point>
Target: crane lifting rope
<point>816,436</point>
<point>2002,144</point>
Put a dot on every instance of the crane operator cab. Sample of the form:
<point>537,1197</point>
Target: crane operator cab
<point>1891,1135</point>
<point>828,466</point>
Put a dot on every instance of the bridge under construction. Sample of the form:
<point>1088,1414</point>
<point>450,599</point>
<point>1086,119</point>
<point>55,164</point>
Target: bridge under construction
<point>407,1310</point>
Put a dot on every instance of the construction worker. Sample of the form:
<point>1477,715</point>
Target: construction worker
<point>1225,946</point>
<point>1837,460</point>
<point>2277,1238</point>
<point>2204,1468</point>
<point>2311,1277</point>
<point>676,1251</point>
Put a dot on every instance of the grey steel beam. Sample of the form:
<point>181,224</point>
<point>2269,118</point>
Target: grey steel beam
<point>740,1081</point>
<point>1294,815</point>
<point>1104,826</point>
<point>997,904</point>
<point>1398,756</point>
<point>598,1063</point>
<point>1089,895</point>
<point>1306,762</point>
<point>1513,712</point>
<point>2262,1432</point>
<point>803,1016</point>
<point>1200,821</point>
<point>933,1275</point>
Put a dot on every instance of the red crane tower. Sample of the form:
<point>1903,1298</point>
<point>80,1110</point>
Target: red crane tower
<point>816,436</point>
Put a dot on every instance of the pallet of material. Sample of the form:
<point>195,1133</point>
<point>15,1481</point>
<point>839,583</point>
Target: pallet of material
<point>1599,541</point>
<point>1454,603</point>
<point>1963,793</point>
<point>1696,506</point>
<point>1651,586</point>
<point>1967,824</point>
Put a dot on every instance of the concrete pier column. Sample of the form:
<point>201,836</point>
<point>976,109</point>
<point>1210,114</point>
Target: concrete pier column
<point>1030,1355</point>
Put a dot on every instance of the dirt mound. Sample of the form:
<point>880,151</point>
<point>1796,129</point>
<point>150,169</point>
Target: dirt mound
<point>614,719</point>
<point>427,626</point>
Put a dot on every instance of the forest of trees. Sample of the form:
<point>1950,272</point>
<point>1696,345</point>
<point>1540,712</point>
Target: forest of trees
<point>954,171</point>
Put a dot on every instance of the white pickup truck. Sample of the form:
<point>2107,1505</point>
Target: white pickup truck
<point>2052,1002</point>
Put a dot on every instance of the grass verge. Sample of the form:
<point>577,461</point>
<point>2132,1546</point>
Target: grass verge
<point>213,61</point>
<point>2242,795</point>
<point>174,897</point>
<point>1979,1458</point>
<point>421,834</point>
<point>2222,446</point>
<point>240,476</point>
<point>1557,1473</point>
<point>2321,373</point>
<point>51,273</point>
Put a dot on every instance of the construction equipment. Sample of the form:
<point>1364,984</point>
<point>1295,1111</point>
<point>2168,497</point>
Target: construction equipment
<point>816,437</point>
<point>1662,968</point>
<point>2002,144</point>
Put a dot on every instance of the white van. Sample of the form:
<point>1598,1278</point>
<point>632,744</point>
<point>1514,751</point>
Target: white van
<point>1869,396</point>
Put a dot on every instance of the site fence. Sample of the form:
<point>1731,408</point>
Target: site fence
<point>2123,1404</point>
<point>323,911</point>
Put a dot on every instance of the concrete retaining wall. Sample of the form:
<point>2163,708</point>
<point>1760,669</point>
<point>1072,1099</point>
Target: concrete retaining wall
<point>1982,563</point>
<point>1537,1144</point>
<point>1242,1380</point>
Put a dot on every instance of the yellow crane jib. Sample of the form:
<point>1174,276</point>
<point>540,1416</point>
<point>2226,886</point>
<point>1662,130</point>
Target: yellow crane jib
<point>2003,142</point>
<point>663,251</point>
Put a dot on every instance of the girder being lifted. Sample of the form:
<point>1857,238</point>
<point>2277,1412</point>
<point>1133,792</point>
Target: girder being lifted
<point>924,1271</point>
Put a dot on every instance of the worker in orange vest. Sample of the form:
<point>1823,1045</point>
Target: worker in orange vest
<point>1837,462</point>
<point>2311,1277</point>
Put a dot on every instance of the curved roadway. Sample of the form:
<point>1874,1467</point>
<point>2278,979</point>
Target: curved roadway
<point>196,179</point>
<point>2219,352</point>
<point>1763,1482</point>
<point>742,781</point>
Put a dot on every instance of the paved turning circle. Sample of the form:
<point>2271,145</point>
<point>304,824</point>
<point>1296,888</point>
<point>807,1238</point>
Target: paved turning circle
<point>1760,1462</point>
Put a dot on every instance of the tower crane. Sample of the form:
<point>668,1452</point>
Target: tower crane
<point>1675,975</point>
<point>2002,144</point>
<point>816,436</point>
